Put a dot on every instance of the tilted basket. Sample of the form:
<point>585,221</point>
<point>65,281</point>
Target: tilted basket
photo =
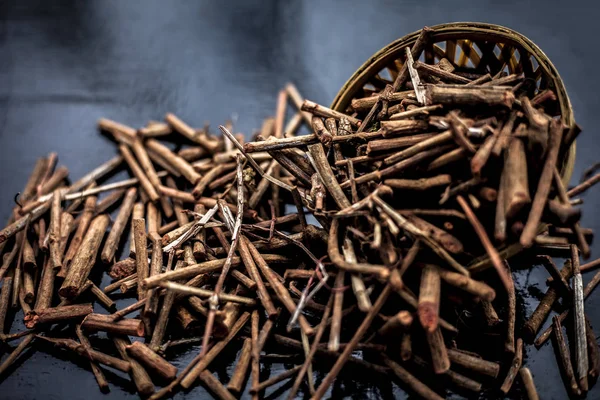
<point>471,47</point>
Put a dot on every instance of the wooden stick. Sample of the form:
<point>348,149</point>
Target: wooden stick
<point>515,168</point>
<point>203,268</point>
<point>593,351</point>
<point>5,299</point>
<point>330,377</point>
<point>138,211</point>
<point>151,307</point>
<point>581,356</point>
<point>321,351</point>
<point>431,70</point>
<point>365,103</point>
<point>122,269</point>
<point>19,224</point>
<point>481,157</point>
<point>358,285</point>
<point>114,236</point>
<point>274,380</point>
<point>210,355</point>
<point>264,296</point>
<point>416,385</point>
<point>98,374</point>
<point>54,230</point>
<point>336,321</point>
<point>515,366</point>
<point>582,187</point>
<point>564,358</point>
<point>117,315</point>
<point>322,111</point>
<point>84,223</point>
<point>487,244</point>
<point>313,349</point>
<point>560,281</point>
<point>185,130</point>
<point>54,181</point>
<point>255,353</point>
<point>102,298</point>
<point>467,284</point>
<point>126,134</point>
<point>82,289</point>
<point>457,95</point>
<point>160,327</point>
<point>586,292</point>
<point>564,198</point>
<point>282,294</point>
<point>475,364</point>
<point>415,112</point>
<point>15,353</point>
<point>459,133</point>
<point>149,171</point>
<point>337,259</point>
<point>37,175</point>
<point>213,384</point>
<point>528,383</point>
<point>326,174</point>
<point>543,188</point>
<point>406,347</point>
<point>105,323</point>
<point>534,323</point>
<point>456,378</point>
<point>207,293</point>
<point>90,354</point>
<point>209,177</point>
<point>141,255</point>
<point>396,323</point>
<point>429,298</point>
<point>448,158</point>
<point>140,377</point>
<point>52,315</point>
<point>419,184</point>
<point>238,378</point>
<point>155,129</point>
<point>152,361</point>
<point>139,173</point>
<point>84,259</point>
<point>438,351</point>
<point>511,312</point>
<point>489,313</point>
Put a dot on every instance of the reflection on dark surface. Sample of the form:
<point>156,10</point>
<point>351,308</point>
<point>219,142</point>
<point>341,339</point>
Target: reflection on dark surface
<point>64,64</point>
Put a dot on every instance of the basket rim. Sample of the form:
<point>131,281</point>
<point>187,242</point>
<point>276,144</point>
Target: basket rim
<point>453,29</point>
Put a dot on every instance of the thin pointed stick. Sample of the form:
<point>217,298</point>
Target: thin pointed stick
<point>581,355</point>
<point>529,384</point>
<point>485,241</point>
<point>564,357</point>
<point>362,329</point>
<point>586,292</point>
<point>235,235</point>
<point>96,370</point>
<point>313,349</point>
<point>207,356</point>
<point>514,368</point>
<point>15,353</point>
<point>336,321</point>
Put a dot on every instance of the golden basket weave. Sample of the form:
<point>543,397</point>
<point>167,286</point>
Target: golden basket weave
<point>475,47</point>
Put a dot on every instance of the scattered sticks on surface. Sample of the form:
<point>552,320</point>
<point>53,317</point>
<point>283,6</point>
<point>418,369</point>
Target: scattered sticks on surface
<point>433,178</point>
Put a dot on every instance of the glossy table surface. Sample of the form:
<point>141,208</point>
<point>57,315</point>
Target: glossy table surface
<point>64,64</point>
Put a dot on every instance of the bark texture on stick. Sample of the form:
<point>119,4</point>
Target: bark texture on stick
<point>85,258</point>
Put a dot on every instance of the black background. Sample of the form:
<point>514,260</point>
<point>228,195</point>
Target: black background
<point>64,64</point>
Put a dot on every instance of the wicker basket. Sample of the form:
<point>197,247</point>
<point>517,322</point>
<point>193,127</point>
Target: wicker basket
<point>475,47</point>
